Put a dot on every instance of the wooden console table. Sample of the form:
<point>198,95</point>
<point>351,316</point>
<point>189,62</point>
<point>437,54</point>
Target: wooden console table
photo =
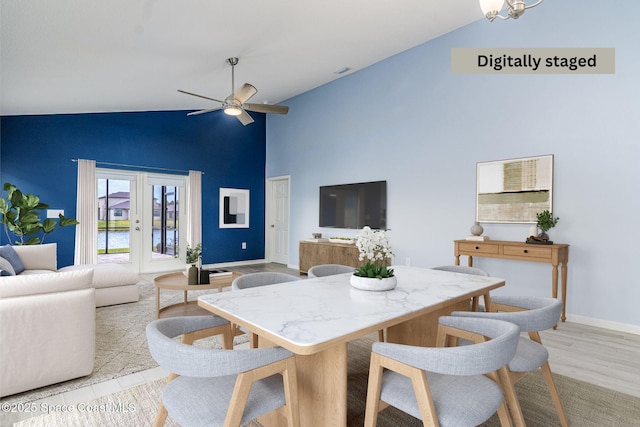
<point>554,254</point>
<point>325,252</point>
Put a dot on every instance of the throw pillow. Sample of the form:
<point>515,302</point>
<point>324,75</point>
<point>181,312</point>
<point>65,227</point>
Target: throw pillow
<point>7,252</point>
<point>5,268</point>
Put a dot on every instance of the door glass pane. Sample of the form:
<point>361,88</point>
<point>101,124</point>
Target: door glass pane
<point>165,236</point>
<point>113,220</point>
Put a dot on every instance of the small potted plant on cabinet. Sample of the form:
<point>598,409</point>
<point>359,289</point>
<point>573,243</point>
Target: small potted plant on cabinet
<point>545,222</point>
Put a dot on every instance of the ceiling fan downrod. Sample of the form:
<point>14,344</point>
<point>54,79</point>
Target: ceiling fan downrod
<point>233,61</point>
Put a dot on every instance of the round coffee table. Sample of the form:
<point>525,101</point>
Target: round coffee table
<point>179,282</point>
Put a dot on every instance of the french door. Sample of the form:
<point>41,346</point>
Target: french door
<point>141,220</point>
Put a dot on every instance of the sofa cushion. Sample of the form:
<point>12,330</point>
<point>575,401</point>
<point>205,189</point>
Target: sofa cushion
<point>34,284</point>
<point>106,275</point>
<point>9,253</point>
<point>38,257</point>
<point>6,269</point>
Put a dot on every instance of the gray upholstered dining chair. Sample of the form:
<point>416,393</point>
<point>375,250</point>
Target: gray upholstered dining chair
<point>531,314</point>
<point>451,386</point>
<point>467,270</point>
<point>263,278</point>
<point>328,270</point>
<point>253,280</point>
<point>220,387</point>
<point>462,269</point>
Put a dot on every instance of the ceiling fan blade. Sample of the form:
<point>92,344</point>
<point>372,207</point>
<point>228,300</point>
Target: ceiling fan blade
<point>267,108</point>
<point>245,118</point>
<point>245,92</point>
<point>200,96</point>
<point>209,110</point>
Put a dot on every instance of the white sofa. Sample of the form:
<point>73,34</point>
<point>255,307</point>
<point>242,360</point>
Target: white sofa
<point>114,283</point>
<point>47,329</point>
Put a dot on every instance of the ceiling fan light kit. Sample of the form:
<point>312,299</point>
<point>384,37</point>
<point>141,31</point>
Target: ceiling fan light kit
<point>236,103</point>
<point>492,8</point>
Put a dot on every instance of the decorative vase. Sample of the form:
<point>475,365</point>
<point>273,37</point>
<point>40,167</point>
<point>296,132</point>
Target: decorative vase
<point>476,229</point>
<point>533,231</point>
<point>193,275</point>
<point>373,284</point>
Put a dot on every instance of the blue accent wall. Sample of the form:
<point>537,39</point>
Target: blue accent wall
<point>36,153</point>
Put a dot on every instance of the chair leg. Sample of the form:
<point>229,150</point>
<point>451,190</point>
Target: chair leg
<point>503,415</point>
<point>507,384</point>
<point>161,415</point>
<point>381,335</point>
<point>290,381</point>
<point>555,397</point>
<point>373,392</point>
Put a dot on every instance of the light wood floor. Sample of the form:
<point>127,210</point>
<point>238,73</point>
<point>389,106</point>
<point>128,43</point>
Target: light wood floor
<point>598,356</point>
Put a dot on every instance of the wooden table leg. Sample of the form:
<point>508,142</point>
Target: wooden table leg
<point>157,302</point>
<point>322,389</point>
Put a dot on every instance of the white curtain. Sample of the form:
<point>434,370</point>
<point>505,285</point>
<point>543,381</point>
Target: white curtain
<point>86,250</point>
<point>194,212</point>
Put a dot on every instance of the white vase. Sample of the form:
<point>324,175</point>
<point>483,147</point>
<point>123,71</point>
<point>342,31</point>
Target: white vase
<point>373,284</point>
<point>476,229</point>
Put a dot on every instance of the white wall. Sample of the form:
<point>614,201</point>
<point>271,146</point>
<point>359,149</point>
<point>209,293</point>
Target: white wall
<point>409,121</point>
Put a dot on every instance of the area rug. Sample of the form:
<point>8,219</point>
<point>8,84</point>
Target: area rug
<point>586,405</point>
<point>121,342</point>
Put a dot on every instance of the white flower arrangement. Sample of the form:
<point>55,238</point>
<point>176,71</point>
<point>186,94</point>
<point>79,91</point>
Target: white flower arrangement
<point>375,248</point>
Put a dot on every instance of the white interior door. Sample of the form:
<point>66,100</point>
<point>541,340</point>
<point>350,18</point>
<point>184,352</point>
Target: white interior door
<point>278,220</point>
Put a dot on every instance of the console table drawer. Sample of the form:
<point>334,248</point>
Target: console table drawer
<point>480,248</point>
<point>529,252</point>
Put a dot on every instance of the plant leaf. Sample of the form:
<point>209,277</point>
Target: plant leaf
<point>66,221</point>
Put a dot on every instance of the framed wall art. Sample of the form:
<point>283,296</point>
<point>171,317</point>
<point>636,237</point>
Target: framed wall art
<point>234,208</point>
<point>514,190</point>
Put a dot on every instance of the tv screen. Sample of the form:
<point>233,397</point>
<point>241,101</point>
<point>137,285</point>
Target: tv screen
<point>354,205</point>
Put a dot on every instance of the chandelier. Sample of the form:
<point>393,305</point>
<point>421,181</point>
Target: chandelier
<point>492,8</point>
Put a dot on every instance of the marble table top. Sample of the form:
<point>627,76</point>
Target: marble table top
<point>308,313</point>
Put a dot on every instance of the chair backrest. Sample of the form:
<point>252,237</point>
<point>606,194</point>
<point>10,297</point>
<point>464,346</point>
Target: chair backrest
<point>328,270</point>
<point>264,278</point>
<point>475,359</point>
<point>192,361</point>
<point>462,269</point>
<point>539,313</point>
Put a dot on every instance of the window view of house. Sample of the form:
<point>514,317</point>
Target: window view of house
<point>114,205</point>
<point>165,220</point>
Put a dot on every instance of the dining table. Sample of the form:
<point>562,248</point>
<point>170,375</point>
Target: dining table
<point>317,317</point>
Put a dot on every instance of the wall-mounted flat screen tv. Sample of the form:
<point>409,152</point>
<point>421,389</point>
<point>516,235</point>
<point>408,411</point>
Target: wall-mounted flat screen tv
<point>354,205</point>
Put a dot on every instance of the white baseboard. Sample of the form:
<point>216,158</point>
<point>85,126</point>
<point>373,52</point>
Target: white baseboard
<point>605,324</point>
<point>235,263</point>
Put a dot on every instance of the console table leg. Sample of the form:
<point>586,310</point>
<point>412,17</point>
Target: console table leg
<point>554,286</point>
<point>564,291</point>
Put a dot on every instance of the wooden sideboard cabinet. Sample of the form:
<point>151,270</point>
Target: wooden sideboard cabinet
<point>554,254</point>
<point>316,253</point>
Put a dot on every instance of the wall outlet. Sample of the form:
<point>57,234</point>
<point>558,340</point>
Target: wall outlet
<point>244,245</point>
<point>53,213</point>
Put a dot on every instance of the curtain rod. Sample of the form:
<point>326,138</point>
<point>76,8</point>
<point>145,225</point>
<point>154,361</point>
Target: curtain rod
<point>138,166</point>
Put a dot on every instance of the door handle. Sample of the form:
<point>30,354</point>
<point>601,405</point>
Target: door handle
<point>137,228</point>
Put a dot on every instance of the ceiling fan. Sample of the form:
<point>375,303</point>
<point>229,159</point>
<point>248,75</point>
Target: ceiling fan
<point>236,103</point>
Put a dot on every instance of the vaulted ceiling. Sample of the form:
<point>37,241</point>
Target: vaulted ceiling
<point>80,56</point>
